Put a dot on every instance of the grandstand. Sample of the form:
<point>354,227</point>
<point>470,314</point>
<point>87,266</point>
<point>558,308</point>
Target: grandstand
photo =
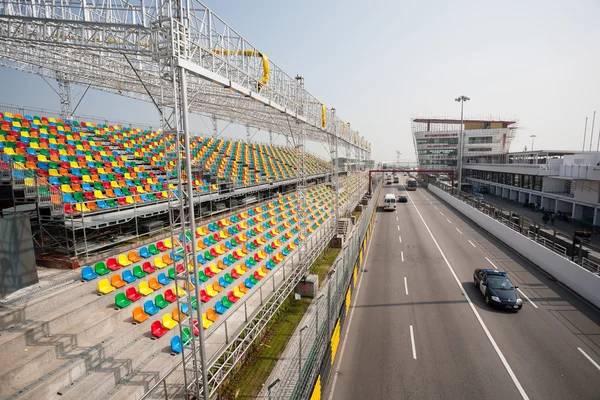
<point>177,248</point>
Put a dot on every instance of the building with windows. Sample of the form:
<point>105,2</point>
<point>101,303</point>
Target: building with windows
<point>565,181</point>
<point>436,140</point>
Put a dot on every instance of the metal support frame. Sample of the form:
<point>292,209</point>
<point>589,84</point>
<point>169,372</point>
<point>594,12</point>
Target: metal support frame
<point>64,91</point>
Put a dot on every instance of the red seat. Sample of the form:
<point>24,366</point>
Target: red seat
<point>208,272</point>
<point>213,252</point>
<point>231,297</point>
<point>132,294</point>
<point>70,210</point>
<point>257,275</point>
<point>170,296</point>
<point>161,246</point>
<point>256,257</point>
<point>234,274</point>
<point>89,196</point>
<point>148,268</point>
<point>112,264</point>
<point>217,237</point>
<point>179,268</point>
<point>122,201</point>
<point>236,256</point>
<point>158,330</point>
<point>204,297</point>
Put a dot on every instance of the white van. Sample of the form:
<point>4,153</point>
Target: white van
<point>389,202</point>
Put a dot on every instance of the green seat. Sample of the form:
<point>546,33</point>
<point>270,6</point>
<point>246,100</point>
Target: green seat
<point>111,203</point>
<point>121,300</point>
<point>65,180</point>
<point>202,276</point>
<point>101,268</point>
<point>152,249</point>
<point>253,279</point>
<point>161,302</point>
<point>186,336</point>
<point>226,303</point>
<point>172,273</point>
<point>138,272</point>
<point>193,302</point>
<point>98,186</point>
<point>229,278</point>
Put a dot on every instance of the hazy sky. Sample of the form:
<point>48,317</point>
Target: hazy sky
<point>379,63</point>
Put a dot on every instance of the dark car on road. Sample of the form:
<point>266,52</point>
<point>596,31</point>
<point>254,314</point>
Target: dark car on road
<point>402,199</point>
<point>497,289</point>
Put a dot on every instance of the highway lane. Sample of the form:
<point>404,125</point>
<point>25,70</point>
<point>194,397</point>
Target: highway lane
<point>454,359</point>
<point>541,344</point>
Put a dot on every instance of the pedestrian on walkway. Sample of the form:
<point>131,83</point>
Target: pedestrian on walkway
<point>552,218</point>
<point>545,218</point>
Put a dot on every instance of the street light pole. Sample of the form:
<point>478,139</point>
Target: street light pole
<point>461,100</point>
<point>532,138</point>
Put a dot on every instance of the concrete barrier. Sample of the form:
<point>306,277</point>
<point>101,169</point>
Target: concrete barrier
<point>577,278</point>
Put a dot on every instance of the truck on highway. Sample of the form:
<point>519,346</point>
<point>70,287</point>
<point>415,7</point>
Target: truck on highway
<point>411,184</point>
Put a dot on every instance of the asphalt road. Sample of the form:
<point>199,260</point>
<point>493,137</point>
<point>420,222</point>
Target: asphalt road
<point>437,342</point>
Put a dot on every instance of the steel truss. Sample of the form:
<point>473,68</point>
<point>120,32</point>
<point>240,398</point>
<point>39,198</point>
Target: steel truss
<point>113,45</point>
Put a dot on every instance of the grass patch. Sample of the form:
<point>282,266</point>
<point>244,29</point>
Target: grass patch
<point>323,263</point>
<point>248,378</point>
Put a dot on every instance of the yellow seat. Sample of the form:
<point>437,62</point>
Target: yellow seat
<point>86,178</point>
<point>210,291</point>
<point>123,260</point>
<point>167,243</point>
<point>179,291</point>
<point>261,272</point>
<point>105,287</point>
<point>214,268</point>
<point>144,289</point>
<point>239,270</point>
<point>81,207</point>
<point>129,200</point>
<point>66,188</point>
<point>99,195</point>
<point>53,172</point>
<point>158,263</point>
<point>206,323</point>
<point>168,321</point>
<point>35,146</point>
<point>237,293</point>
<point>115,184</point>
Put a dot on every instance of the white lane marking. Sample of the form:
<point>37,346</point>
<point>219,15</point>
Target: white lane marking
<point>398,227</point>
<point>349,324</point>
<point>435,207</point>
<point>412,339</point>
<point>402,255</point>
<point>483,325</point>
<point>490,261</point>
<point>448,221</point>
<point>405,286</point>
<point>400,238</point>
<point>472,244</point>
<point>528,299</point>
<point>430,202</point>
<point>441,213</point>
<point>396,218</point>
<point>589,358</point>
<point>459,231</point>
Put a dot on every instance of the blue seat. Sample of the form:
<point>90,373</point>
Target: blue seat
<point>223,282</point>
<point>145,197</point>
<point>67,198</point>
<point>54,180</point>
<point>185,308</point>
<point>226,262</point>
<point>176,344</point>
<point>128,276</point>
<point>248,283</point>
<point>102,204</point>
<point>31,152</point>
<point>86,187</point>
<point>220,308</point>
<point>150,308</point>
<point>76,172</point>
<point>118,192</point>
<point>176,256</point>
<point>162,279</point>
<point>88,273</point>
<point>145,253</point>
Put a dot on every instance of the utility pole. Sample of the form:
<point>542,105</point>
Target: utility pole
<point>461,100</point>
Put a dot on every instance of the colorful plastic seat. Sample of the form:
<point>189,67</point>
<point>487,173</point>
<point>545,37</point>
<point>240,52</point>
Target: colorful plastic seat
<point>105,287</point>
<point>132,294</point>
<point>150,308</point>
<point>144,289</point>
<point>117,281</point>
<point>88,274</point>
<point>133,256</point>
<point>158,263</point>
<point>148,268</point>
<point>170,296</point>
<point>168,321</point>
<point>145,253</point>
<point>162,279</point>
<point>121,300</point>
<point>138,273</point>
<point>112,264</point>
<point>211,315</point>
<point>123,260</point>
<point>139,315</point>
<point>176,345</point>
<point>160,301</point>
<point>220,308</point>
<point>158,330</point>
<point>153,284</point>
<point>206,323</point>
<point>128,276</point>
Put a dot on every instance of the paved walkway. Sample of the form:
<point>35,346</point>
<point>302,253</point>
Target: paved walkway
<point>566,228</point>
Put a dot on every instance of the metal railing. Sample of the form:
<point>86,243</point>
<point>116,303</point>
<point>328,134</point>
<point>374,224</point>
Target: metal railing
<point>550,238</point>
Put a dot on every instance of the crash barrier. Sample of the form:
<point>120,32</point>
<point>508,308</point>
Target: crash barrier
<point>579,279</point>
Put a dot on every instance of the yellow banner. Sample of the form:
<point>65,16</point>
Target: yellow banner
<point>335,340</point>
<point>316,394</point>
<point>348,299</point>
<point>355,275</point>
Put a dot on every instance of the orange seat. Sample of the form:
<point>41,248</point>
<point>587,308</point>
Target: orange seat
<point>211,314</point>
<point>177,315</point>
<point>133,256</point>
<point>92,206</point>
<point>139,315</point>
<point>243,288</point>
<point>167,259</point>
<point>218,288</point>
<point>117,281</point>
<point>153,283</point>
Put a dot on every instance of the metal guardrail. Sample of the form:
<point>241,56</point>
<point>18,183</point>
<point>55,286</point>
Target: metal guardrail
<point>526,227</point>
